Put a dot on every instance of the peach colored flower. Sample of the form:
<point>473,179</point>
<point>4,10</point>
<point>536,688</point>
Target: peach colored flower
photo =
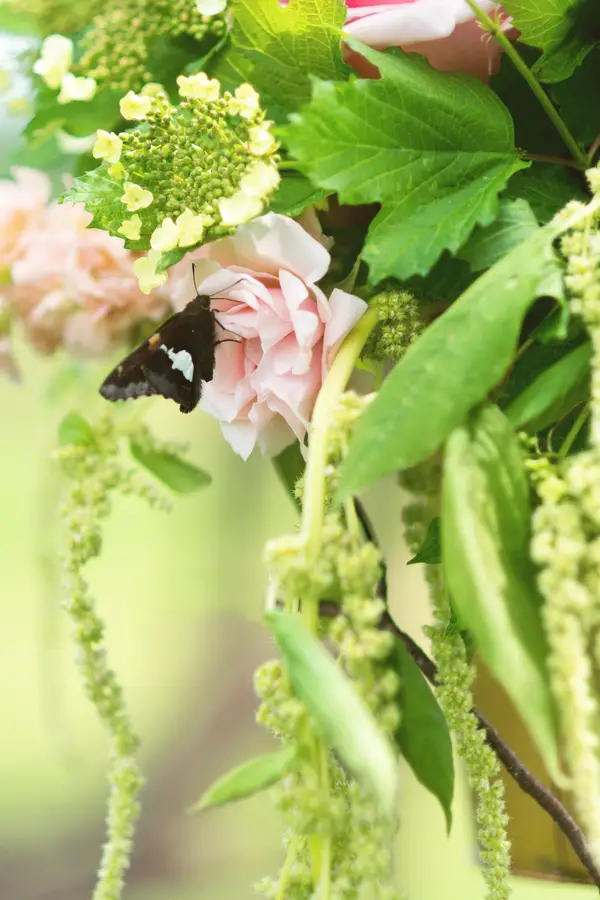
<point>263,282</point>
<point>70,285</point>
<point>445,31</point>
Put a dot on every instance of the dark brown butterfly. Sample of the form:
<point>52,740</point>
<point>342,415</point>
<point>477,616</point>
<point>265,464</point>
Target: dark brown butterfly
<point>173,361</point>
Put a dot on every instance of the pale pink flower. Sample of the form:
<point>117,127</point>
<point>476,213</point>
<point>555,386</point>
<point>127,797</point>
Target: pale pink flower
<point>445,31</point>
<point>70,285</point>
<point>281,330</point>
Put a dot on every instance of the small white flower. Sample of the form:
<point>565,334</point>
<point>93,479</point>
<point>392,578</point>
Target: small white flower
<point>199,87</point>
<point>260,180</point>
<point>210,7</point>
<point>55,60</point>
<point>165,236</point>
<point>146,274</point>
<point>73,87</point>
<point>108,146</point>
<point>239,209</point>
<point>248,101</point>
<point>134,106</point>
<point>131,228</point>
<point>136,197</point>
<point>192,227</point>
<point>262,141</point>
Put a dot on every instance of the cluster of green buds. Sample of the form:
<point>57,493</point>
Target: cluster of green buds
<point>188,173</point>
<point>399,325</point>
<point>332,823</point>
<point>453,690</point>
<point>116,50</point>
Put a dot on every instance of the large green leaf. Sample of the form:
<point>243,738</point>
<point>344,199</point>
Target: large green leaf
<point>549,25</point>
<point>516,222</point>
<point>76,430</point>
<point>423,735</point>
<point>448,370</point>
<point>278,49</point>
<point>248,778</point>
<point>555,391</point>
<point>433,148</point>
<point>338,712</point>
<point>485,551</point>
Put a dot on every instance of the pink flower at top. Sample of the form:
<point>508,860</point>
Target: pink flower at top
<point>69,285</point>
<point>281,330</point>
<point>445,31</point>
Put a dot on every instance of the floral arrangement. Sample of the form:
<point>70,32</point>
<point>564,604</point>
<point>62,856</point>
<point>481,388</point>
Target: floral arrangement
<point>274,194</point>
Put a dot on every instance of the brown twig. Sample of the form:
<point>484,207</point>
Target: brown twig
<point>526,780</point>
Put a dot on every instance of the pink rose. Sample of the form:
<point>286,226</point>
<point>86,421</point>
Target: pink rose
<point>70,285</point>
<point>445,31</point>
<point>263,280</point>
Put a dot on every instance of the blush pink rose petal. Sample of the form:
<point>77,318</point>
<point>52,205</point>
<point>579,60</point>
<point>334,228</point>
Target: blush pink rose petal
<point>281,331</point>
<point>445,31</point>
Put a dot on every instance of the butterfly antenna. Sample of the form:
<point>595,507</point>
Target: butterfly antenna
<point>194,278</point>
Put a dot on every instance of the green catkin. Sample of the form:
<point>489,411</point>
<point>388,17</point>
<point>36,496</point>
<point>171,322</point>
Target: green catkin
<point>96,472</point>
<point>566,547</point>
<point>347,568</point>
<point>454,681</point>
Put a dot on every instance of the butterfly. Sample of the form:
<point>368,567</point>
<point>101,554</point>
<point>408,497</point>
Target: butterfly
<point>173,362</point>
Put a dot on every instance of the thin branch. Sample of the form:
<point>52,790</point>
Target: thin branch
<point>526,780</point>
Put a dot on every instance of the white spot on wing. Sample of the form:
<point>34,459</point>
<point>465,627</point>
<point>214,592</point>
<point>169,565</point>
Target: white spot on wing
<point>181,360</point>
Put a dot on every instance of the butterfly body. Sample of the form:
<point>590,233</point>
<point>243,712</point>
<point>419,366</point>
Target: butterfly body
<point>172,362</point>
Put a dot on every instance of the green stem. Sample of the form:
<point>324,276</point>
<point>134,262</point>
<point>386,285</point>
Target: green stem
<point>289,164</point>
<point>494,29</point>
<point>575,429</point>
<point>314,484</point>
<point>290,859</point>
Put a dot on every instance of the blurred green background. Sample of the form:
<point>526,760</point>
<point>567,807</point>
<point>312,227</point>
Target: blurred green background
<point>182,596</point>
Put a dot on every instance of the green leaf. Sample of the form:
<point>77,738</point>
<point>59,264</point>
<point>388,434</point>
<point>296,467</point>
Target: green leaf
<point>516,221</point>
<point>101,196</point>
<point>546,188</point>
<point>449,369</point>
<point>74,429</point>
<point>279,49</point>
<point>430,551</point>
<point>553,393</point>
<point>578,99</point>
<point>178,474</point>
<point>249,778</point>
<point>448,279</point>
<point>294,194</point>
<point>78,118</point>
<point>423,736</point>
<point>433,148</point>
<point>290,465</point>
<point>172,257</point>
<point>547,24</point>
<point>338,712</point>
<point>489,573</point>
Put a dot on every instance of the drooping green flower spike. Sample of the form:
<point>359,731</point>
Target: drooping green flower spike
<point>186,174</point>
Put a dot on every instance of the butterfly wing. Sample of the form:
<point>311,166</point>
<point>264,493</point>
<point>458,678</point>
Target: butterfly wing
<point>172,362</point>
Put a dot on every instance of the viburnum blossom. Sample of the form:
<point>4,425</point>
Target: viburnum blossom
<point>281,331</point>
<point>69,285</point>
<point>445,31</point>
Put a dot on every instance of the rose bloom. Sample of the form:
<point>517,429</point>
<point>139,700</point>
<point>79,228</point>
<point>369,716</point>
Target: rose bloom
<point>280,332</point>
<point>69,285</point>
<point>445,31</point>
